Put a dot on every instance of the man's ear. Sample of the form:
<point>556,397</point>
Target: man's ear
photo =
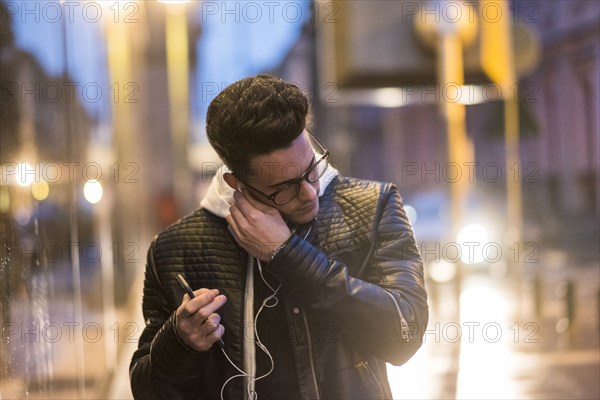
<point>231,180</point>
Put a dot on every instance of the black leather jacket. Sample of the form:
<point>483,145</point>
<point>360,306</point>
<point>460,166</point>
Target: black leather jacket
<point>357,280</point>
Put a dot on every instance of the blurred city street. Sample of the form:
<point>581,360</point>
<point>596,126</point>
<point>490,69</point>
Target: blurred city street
<point>485,115</point>
<point>505,350</point>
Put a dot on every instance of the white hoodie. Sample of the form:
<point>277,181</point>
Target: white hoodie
<point>217,200</point>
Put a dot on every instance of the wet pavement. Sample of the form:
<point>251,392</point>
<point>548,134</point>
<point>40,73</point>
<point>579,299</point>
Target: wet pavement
<point>510,343</point>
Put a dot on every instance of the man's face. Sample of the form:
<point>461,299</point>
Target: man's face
<point>272,171</point>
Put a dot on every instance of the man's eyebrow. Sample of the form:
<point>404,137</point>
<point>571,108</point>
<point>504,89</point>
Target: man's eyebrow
<point>312,161</point>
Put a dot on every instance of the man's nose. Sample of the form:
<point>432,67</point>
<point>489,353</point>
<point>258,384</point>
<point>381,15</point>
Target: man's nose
<point>308,191</point>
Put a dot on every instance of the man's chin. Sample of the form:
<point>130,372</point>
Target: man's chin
<point>305,217</point>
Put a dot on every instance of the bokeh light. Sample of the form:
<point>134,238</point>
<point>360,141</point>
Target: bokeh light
<point>471,239</point>
<point>40,190</point>
<point>92,191</point>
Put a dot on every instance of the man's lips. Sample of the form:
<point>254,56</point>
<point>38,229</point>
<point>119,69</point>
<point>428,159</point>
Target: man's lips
<point>308,207</point>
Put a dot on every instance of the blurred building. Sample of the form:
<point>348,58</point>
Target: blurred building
<point>53,140</point>
<point>565,96</point>
<point>43,128</point>
<point>559,123</point>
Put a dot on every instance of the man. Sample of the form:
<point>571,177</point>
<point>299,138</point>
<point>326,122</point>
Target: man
<point>312,280</point>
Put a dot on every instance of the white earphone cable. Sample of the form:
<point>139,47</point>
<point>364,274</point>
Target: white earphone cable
<point>252,395</point>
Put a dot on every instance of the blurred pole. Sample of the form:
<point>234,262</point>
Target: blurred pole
<point>460,152</point>
<point>120,198</point>
<point>460,148</point>
<point>102,224</point>
<point>513,189</point>
<point>176,28</point>
<point>497,59</point>
<point>449,38</point>
<point>514,196</point>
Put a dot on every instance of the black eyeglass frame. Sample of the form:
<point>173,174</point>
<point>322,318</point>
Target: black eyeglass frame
<point>296,181</point>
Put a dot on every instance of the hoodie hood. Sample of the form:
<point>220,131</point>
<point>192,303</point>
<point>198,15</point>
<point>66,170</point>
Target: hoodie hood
<point>219,196</point>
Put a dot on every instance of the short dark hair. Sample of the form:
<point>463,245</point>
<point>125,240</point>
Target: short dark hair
<point>255,116</point>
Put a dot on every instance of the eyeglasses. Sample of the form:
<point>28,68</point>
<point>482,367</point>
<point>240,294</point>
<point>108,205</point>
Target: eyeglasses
<point>292,188</point>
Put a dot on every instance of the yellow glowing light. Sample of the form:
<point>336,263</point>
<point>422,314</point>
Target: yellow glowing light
<point>92,191</point>
<point>25,174</point>
<point>40,190</point>
<point>4,201</point>
<point>173,1</point>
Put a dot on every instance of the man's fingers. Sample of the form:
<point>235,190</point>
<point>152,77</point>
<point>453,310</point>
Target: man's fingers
<point>190,307</point>
<point>216,334</point>
<point>238,226</point>
<point>200,315</point>
<point>241,206</point>
<point>197,293</point>
<point>250,198</point>
<point>212,323</point>
<point>197,322</point>
<point>210,308</point>
<point>233,228</point>
<point>236,216</point>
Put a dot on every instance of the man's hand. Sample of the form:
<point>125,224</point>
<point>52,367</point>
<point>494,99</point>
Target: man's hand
<point>257,227</point>
<point>197,323</point>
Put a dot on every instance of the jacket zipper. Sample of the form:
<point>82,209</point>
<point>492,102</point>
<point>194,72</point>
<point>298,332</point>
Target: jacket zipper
<point>404,331</point>
<point>310,355</point>
<point>366,365</point>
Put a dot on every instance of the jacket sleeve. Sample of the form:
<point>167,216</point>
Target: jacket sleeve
<point>382,313</point>
<point>163,366</point>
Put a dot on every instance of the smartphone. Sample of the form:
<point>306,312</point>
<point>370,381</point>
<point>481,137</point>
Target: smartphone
<point>186,286</point>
